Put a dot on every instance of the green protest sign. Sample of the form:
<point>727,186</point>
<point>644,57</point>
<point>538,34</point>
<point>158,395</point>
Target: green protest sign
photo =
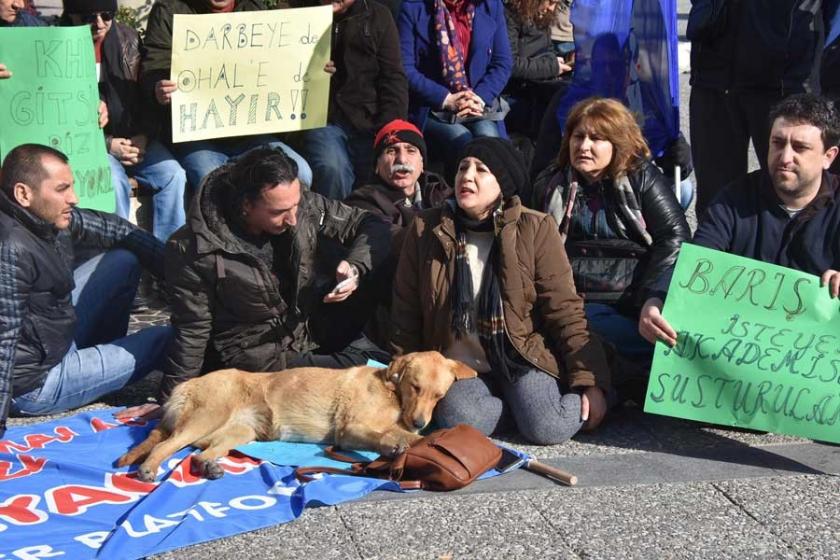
<point>758,347</point>
<point>52,99</point>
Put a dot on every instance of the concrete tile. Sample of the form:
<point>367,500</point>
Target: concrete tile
<point>318,533</point>
<point>657,521</point>
<point>804,511</point>
<point>483,526</point>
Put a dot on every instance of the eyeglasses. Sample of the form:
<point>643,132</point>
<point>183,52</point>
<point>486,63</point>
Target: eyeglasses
<point>93,16</point>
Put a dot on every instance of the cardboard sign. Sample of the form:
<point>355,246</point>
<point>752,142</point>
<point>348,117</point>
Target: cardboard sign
<point>52,98</point>
<point>758,347</point>
<point>250,72</point>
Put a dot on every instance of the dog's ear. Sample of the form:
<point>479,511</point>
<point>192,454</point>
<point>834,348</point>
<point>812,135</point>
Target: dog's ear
<point>461,370</point>
<point>391,376</point>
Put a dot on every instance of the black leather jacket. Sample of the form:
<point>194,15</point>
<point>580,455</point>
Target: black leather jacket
<point>664,221</point>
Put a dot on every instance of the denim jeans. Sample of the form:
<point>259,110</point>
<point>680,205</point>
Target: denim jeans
<point>161,172</point>
<point>101,359</point>
<point>203,156</point>
<point>447,139</point>
<point>618,329</point>
<point>340,157</point>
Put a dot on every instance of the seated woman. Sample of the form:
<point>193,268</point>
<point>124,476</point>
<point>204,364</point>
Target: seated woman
<point>619,217</point>
<point>486,281</point>
<point>537,69</point>
<point>457,59</point>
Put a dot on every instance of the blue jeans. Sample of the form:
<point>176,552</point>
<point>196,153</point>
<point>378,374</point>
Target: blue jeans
<point>203,156</point>
<point>101,359</point>
<point>686,193</point>
<point>159,171</point>
<point>618,329</point>
<point>339,156</point>
<point>447,139</point>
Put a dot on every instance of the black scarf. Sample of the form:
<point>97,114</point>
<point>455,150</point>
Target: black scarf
<point>489,315</point>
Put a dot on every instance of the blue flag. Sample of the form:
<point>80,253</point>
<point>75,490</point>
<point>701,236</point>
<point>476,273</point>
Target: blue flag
<point>627,50</point>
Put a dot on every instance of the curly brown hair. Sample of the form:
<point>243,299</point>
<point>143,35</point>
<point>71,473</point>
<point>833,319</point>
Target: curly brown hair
<point>528,11</point>
<point>613,121</point>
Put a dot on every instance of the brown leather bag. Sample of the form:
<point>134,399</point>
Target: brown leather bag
<point>446,459</point>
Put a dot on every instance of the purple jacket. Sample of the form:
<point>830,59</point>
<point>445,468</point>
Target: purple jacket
<point>489,62</point>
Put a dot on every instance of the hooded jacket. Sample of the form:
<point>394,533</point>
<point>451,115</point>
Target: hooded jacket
<point>227,301</point>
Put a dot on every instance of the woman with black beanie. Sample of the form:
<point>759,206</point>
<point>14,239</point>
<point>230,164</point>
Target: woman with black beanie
<point>486,281</point>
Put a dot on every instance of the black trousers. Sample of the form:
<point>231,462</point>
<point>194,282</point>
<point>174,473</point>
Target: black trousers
<point>722,125</point>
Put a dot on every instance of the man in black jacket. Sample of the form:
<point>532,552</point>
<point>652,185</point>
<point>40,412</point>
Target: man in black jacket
<point>745,57</point>
<point>249,287</point>
<point>369,89</point>
<point>787,215</point>
<point>62,327</point>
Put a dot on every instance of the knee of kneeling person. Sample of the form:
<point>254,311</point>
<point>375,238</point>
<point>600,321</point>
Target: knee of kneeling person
<point>550,429</point>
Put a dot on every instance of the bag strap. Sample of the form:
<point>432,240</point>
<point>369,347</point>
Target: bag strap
<point>330,452</point>
<point>304,474</point>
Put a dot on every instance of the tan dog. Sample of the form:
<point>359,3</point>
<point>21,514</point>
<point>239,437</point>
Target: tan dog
<point>358,408</point>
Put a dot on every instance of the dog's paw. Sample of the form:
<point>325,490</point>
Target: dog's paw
<point>206,468</point>
<point>391,445</point>
<point>146,474</point>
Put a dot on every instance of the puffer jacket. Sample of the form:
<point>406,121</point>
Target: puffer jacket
<point>37,318</point>
<point>664,220</point>
<point>543,314</point>
<point>128,113</point>
<point>224,299</point>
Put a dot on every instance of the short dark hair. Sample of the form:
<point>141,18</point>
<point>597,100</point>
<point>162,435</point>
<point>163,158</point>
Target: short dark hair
<point>255,169</point>
<point>24,164</point>
<point>808,108</point>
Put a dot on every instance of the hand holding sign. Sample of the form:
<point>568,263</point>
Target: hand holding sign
<point>4,72</point>
<point>831,278</point>
<point>164,90</point>
<point>653,326</point>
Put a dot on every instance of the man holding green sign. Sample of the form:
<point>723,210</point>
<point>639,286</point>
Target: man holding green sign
<point>789,216</point>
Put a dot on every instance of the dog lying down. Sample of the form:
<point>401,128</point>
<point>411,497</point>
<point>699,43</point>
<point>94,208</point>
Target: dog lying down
<point>377,409</point>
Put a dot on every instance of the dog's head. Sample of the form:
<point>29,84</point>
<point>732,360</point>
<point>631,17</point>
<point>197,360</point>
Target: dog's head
<point>420,380</point>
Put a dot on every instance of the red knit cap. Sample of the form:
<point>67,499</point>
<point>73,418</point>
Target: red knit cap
<point>397,131</point>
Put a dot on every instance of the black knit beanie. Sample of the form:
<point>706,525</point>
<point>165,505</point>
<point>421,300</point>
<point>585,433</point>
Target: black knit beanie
<point>504,161</point>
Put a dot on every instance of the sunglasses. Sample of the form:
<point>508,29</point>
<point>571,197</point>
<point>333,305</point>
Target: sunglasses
<point>92,17</point>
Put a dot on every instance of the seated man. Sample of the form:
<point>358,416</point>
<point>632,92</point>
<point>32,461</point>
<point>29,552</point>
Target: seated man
<point>787,215</point>
<point>199,157</point>
<point>62,330</point>
<point>243,279</point>
<point>131,151</point>
<point>368,89</point>
<point>400,189</point>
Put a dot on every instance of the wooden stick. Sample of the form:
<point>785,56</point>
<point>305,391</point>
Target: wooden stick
<point>553,473</point>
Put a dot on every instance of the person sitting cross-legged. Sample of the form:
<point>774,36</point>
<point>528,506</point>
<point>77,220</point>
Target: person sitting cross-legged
<point>63,340</point>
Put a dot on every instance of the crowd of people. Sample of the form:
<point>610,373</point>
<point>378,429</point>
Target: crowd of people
<point>412,221</point>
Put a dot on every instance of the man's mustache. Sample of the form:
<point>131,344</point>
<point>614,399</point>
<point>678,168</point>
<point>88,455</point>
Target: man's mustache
<point>407,168</point>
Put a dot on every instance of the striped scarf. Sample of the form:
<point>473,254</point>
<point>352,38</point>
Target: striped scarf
<point>489,315</point>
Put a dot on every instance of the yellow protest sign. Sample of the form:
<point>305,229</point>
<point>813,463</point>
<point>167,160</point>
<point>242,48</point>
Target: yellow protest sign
<point>250,72</point>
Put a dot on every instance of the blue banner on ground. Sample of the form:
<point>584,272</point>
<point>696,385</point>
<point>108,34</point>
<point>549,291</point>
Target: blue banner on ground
<point>60,493</point>
<point>627,50</point>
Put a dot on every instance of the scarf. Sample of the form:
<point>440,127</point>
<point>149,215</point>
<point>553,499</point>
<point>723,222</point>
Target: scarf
<point>623,211</point>
<point>453,51</point>
<point>490,321</point>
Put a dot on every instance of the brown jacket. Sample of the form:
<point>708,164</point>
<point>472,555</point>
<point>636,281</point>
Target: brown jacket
<point>544,315</point>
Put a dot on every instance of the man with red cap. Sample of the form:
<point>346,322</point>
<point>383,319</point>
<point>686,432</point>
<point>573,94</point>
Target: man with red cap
<point>400,189</point>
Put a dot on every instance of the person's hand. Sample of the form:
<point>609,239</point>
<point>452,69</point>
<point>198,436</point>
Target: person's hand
<point>831,278</point>
<point>103,114</point>
<point>453,100</point>
<point>140,141</point>
<point>347,278</point>
<point>677,152</point>
<point>470,105</point>
<point>653,326</point>
<point>125,152</point>
<point>329,67</point>
<point>163,91</point>
<point>593,407</point>
<point>562,66</point>
<point>4,72</point>
<point>148,411</point>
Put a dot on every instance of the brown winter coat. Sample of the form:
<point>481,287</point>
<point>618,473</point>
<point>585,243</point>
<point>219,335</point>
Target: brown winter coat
<point>544,316</point>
